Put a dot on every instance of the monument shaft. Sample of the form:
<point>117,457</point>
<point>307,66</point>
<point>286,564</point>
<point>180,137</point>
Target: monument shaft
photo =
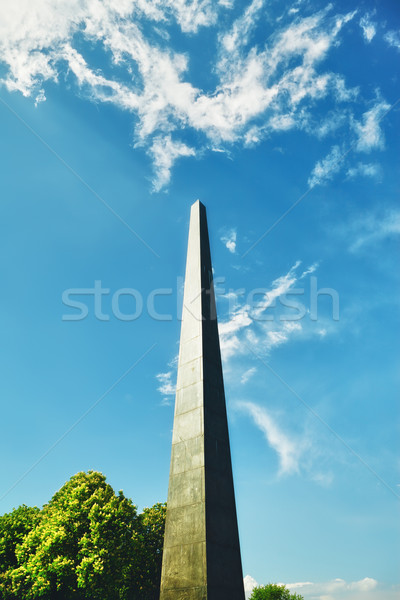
<point>201,558</point>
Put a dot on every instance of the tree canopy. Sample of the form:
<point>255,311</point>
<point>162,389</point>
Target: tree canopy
<point>14,526</point>
<point>273,591</point>
<point>86,543</point>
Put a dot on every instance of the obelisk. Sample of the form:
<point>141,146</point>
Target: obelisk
<point>201,558</point>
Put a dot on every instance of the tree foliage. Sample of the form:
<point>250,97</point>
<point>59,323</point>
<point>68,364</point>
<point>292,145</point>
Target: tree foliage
<point>272,591</point>
<point>86,543</point>
<point>151,535</point>
<point>14,526</point>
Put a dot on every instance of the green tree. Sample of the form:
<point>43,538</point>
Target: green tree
<point>14,526</point>
<point>151,535</point>
<point>272,591</point>
<point>87,544</point>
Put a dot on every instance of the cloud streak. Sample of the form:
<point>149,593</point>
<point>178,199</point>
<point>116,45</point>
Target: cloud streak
<point>248,375</point>
<point>287,449</point>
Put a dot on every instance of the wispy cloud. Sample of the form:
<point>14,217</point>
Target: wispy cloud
<point>369,131</point>
<point>282,335</point>
<point>167,386</point>
<point>368,27</point>
<point>253,325</point>
<point>165,153</point>
<point>288,450</point>
<point>326,168</point>
<point>238,36</point>
<point>229,239</point>
<point>372,170</point>
<point>329,124</point>
<point>368,136</point>
<point>299,448</point>
<point>309,270</point>
<point>248,374</point>
<point>393,39</point>
<point>245,319</point>
<point>373,228</point>
<point>260,89</point>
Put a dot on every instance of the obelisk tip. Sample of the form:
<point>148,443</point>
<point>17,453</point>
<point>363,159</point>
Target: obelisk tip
<point>197,203</point>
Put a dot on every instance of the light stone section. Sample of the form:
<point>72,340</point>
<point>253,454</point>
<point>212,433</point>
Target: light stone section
<point>201,557</point>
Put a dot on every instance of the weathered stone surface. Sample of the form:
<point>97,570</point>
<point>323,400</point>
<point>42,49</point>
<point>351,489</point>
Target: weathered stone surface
<point>201,559</point>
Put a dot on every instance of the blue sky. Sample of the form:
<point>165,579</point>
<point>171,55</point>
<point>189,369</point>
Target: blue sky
<point>283,119</point>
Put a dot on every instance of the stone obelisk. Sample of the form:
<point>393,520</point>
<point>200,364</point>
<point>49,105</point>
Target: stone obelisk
<point>201,558</point>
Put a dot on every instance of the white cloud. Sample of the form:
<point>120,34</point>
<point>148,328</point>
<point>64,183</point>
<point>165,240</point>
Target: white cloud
<point>230,346</point>
<point>239,320</point>
<point>310,270</point>
<point>369,136</point>
<point>242,316</point>
<point>194,14</point>
<point>393,39</point>
<point>326,168</point>
<point>229,239</point>
<point>364,585</point>
<point>238,36</point>
<point>276,338</point>
<point>368,28</point>
<point>249,584</point>
<point>280,286</point>
<point>372,170</point>
<point>324,478</point>
<point>330,124</point>
<point>367,588</point>
<point>373,228</point>
<point>248,375</point>
<point>167,387</point>
<point>369,132</point>
<point>337,589</point>
<point>259,89</point>
<point>165,152</point>
<point>260,322</point>
<point>288,451</point>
